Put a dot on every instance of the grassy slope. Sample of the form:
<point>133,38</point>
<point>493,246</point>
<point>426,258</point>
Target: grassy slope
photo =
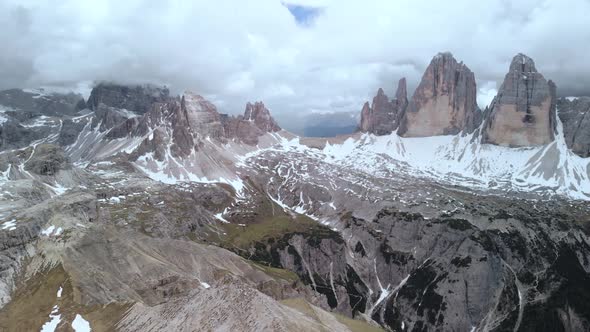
<point>36,297</point>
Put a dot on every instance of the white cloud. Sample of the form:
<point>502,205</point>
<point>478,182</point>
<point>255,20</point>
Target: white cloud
<point>237,51</point>
<point>278,91</point>
<point>240,83</point>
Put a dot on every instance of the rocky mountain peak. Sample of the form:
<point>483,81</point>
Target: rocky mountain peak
<point>137,99</point>
<point>382,117</point>
<point>523,64</point>
<point>444,55</point>
<point>260,115</point>
<point>255,122</point>
<point>444,102</point>
<point>523,111</point>
<point>202,115</point>
<point>195,103</point>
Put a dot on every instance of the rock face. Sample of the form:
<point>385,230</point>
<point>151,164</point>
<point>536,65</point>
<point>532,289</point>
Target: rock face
<point>202,116</point>
<point>25,115</point>
<point>184,123</point>
<point>69,132</point>
<point>258,113</point>
<point>13,135</point>
<point>255,122</point>
<point>523,112</point>
<point>366,114</point>
<point>382,118</point>
<point>137,111</point>
<point>32,103</point>
<point>47,159</point>
<point>137,99</point>
<point>108,117</point>
<point>575,116</point>
<point>445,101</point>
<point>115,104</point>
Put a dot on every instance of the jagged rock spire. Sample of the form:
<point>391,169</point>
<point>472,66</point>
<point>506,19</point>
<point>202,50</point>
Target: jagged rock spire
<point>366,118</point>
<point>401,95</point>
<point>260,115</point>
<point>382,117</point>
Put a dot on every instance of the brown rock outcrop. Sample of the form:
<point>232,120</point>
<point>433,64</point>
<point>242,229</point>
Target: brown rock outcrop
<point>255,122</point>
<point>445,101</point>
<point>260,115</point>
<point>366,113</point>
<point>202,116</point>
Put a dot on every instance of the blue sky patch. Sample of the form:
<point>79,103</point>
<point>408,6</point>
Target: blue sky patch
<point>304,15</point>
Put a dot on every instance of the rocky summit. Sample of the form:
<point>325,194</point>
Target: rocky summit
<point>139,210</point>
<point>523,112</point>
<point>444,102</point>
<point>137,99</point>
<point>383,116</point>
<point>260,115</point>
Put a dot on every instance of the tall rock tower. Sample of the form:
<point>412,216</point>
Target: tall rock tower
<point>523,112</point>
<point>444,102</point>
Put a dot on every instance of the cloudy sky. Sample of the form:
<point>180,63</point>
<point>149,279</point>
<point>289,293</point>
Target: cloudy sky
<point>297,56</point>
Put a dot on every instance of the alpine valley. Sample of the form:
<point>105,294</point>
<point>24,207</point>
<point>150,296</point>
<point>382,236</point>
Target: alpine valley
<point>138,210</point>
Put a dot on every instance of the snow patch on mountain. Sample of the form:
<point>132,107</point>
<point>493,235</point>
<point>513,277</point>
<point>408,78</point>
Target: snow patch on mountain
<point>456,160</point>
<point>54,319</point>
<point>173,170</point>
<point>463,160</point>
<point>80,324</point>
<point>452,159</point>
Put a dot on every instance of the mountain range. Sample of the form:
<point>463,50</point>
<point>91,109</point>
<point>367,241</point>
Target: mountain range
<point>138,210</point>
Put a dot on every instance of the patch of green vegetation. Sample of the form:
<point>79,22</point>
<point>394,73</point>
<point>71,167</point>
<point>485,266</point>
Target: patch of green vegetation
<point>271,222</point>
<point>276,272</point>
<point>356,325</point>
<point>301,305</point>
<point>35,298</point>
<point>264,228</point>
<point>32,301</point>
